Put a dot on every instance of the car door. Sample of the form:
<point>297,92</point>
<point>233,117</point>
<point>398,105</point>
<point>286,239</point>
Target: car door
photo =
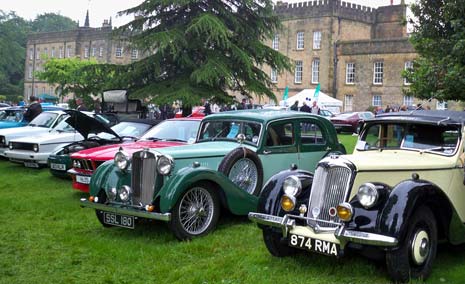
<point>313,141</point>
<point>279,147</point>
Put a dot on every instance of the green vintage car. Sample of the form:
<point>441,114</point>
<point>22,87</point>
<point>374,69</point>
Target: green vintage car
<point>186,186</point>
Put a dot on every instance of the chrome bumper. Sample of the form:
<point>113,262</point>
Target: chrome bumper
<point>126,211</point>
<point>287,223</point>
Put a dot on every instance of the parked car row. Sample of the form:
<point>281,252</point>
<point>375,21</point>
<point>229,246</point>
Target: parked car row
<point>400,193</point>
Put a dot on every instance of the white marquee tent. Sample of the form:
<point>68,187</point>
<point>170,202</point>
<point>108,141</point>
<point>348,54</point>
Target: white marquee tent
<point>323,100</point>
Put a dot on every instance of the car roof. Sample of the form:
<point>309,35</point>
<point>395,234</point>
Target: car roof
<point>142,120</point>
<point>425,116</point>
<point>260,115</point>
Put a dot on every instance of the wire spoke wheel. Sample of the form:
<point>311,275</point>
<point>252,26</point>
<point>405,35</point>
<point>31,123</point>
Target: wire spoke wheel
<point>196,210</point>
<point>244,174</point>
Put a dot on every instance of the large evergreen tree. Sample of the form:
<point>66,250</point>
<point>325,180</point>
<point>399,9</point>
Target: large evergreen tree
<point>439,39</point>
<point>202,49</point>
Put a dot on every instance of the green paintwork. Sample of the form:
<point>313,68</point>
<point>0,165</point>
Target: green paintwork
<point>238,201</point>
<point>60,159</point>
<point>209,154</point>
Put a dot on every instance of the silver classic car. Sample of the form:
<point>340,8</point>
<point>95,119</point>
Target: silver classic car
<point>399,194</point>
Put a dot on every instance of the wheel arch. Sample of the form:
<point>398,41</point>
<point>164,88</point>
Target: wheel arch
<point>232,197</point>
<point>407,197</point>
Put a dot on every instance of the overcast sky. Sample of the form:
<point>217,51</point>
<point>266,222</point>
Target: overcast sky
<point>104,9</point>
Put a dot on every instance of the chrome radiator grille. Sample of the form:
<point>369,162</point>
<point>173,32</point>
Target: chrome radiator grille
<point>330,186</point>
<point>144,175</point>
<point>85,164</point>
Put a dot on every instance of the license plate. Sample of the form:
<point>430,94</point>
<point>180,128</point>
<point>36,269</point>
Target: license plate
<point>59,167</point>
<point>314,245</point>
<point>31,165</point>
<point>114,219</point>
<point>83,179</point>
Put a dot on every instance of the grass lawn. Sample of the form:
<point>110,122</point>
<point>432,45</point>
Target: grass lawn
<point>45,237</point>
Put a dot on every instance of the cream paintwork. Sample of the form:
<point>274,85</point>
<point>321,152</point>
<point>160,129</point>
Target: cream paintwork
<point>307,231</point>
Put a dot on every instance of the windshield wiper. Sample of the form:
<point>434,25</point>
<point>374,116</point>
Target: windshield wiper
<point>174,139</point>
<point>129,136</point>
<point>152,139</point>
<point>438,148</point>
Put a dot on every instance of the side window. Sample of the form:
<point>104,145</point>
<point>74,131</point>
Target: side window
<point>311,134</point>
<point>280,134</point>
<point>60,119</point>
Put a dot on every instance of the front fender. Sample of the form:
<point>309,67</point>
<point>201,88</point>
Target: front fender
<point>391,217</point>
<point>108,176</point>
<point>235,199</point>
<point>270,197</point>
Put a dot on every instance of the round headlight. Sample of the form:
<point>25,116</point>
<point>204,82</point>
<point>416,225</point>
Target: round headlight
<point>121,160</point>
<point>124,193</point>
<point>292,186</point>
<point>112,194</point>
<point>164,165</point>
<point>367,195</point>
<point>2,139</point>
<point>76,164</point>
<point>10,146</point>
<point>35,148</point>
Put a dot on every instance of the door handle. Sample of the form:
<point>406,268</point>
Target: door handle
<point>266,152</point>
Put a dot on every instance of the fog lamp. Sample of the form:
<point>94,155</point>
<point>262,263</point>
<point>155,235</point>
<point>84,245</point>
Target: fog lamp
<point>287,203</point>
<point>112,194</point>
<point>149,208</point>
<point>344,211</point>
<point>124,193</point>
<point>91,198</point>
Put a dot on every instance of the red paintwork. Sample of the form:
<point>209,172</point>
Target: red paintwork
<point>106,153</point>
<point>196,112</point>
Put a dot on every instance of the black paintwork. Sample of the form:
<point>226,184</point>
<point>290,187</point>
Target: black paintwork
<point>426,116</point>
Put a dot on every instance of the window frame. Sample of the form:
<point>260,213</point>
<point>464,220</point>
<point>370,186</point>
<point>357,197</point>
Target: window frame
<point>317,35</point>
<point>350,73</point>
<point>408,65</point>
<point>298,71</point>
<point>300,40</point>
<point>378,73</point>
<point>275,42</point>
<point>315,71</point>
<point>374,100</point>
<point>348,102</point>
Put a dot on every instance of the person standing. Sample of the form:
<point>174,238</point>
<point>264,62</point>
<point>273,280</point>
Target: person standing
<point>208,109</point>
<point>81,106</point>
<point>315,108</point>
<point>34,109</point>
<point>242,105</point>
<point>305,108</point>
<point>295,106</point>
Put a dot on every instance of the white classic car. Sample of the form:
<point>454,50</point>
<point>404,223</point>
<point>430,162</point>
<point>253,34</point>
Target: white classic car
<point>34,150</point>
<point>40,125</point>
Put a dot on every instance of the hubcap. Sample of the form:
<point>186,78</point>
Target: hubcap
<point>196,210</point>
<point>244,174</point>
<point>420,247</point>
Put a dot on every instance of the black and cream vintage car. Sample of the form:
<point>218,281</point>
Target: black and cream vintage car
<point>399,194</point>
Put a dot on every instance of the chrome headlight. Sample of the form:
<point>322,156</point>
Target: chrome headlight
<point>292,186</point>
<point>112,194</point>
<point>125,193</point>
<point>35,147</point>
<point>164,165</point>
<point>367,195</point>
<point>10,145</point>
<point>121,160</point>
<point>76,164</point>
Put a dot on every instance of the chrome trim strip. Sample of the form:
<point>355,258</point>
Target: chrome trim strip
<point>126,211</point>
<point>287,222</point>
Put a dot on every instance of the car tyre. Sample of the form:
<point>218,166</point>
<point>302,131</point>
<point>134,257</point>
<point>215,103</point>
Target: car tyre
<point>276,245</point>
<point>244,168</point>
<point>414,258</point>
<point>196,213</point>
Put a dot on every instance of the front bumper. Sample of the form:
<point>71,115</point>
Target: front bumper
<point>27,156</point>
<point>126,211</point>
<point>340,235</point>
<point>84,187</point>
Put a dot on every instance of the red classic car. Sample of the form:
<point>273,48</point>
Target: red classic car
<point>350,121</point>
<point>172,132</point>
<point>197,111</point>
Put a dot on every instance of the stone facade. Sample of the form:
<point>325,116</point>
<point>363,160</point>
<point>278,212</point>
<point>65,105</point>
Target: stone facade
<point>353,34</point>
<point>85,43</point>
